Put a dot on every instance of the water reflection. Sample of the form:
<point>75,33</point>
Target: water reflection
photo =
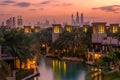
<point>97,75</point>
<point>46,73</point>
<point>62,70</point>
<point>82,75</point>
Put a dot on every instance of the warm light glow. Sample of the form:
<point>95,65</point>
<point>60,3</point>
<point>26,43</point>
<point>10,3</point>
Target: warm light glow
<point>64,64</point>
<point>27,29</point>
<point>114,29</point>
<point>68,29</point>
<point>56,50</point>
<point>33,62</point>
<point>17,63</point>
<point>53,62</point>
<point>59,66</point>
<point>101,28</point>
<point>94,30</point>
<point>64,50</point>
<point>36,30</point>
<point>97,56</point>
<point>85,29</point>
<point>43,45</point>
<point>96,75</point>
<point>57,63</point>
<point>56,29</point>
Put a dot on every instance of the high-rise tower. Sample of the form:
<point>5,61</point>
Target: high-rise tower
<point>2,24</point>
<point>19,22</point>
<point>13,22</point>
<point>72,19</point>
<point>77,18</point>
<point>82,20</point>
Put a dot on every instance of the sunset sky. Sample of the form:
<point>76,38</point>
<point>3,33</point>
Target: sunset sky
<point>60,10</point>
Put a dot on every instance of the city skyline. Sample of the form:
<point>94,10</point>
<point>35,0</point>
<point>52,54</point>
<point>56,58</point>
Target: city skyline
<point>61,11</point>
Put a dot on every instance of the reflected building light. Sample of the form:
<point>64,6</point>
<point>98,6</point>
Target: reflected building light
<point>59,66</point>
<point>53,62</point>
<point>64,65</point>
<point>57,77</point>
<point>100,77</point>
<point>95,78</point>
<point>100,70</point>
<point>96,69</point>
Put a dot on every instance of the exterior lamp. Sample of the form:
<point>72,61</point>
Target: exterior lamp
<point>43,45</point>
<point>33,62</point>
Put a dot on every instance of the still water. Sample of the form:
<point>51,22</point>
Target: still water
<point>63,70</point>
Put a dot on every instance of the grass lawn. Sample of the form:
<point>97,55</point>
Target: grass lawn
<point>23,73</point>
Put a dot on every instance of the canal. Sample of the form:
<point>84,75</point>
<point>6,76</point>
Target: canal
<point>63,70</point>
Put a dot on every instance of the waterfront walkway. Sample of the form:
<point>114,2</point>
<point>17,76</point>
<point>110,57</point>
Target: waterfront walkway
<point>31,76</point>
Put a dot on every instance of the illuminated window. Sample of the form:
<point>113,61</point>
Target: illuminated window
<point>85,29</point>
<point>36,30</point>
<point>94,30</point>
<point>101,29</point>
<point>26,30</point>
<point>114,29</point>
<point>56,29</point>
<point>68,29</point>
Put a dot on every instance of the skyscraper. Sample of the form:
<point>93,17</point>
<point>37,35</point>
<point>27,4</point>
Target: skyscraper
<point>72,19</point>
<point>47,22</point>
<point>38,23</point>
<point>19,22</point>
<point>8,23</point>
<point>2,24</point>
<point>14,22</point>
<point>77,18</point>
<point>82,20</point>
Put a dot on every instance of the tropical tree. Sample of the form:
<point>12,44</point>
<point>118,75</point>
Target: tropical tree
<point>88,37</point>
<point>41,40</point>
<point>70,43</point>
<point>17,45</point>
<point>4,70</point>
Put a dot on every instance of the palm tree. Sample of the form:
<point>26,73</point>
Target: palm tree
<point>40,39</point>
<point>4,70</point>
<point>17,44</point>
<point>70,42</point>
